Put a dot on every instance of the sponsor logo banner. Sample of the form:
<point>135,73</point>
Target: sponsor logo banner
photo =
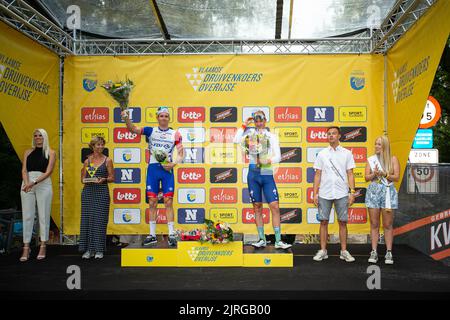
<point>88,133</point>
<point>127,155</point>
<point>310,195</point>
<point>191,195</point>
<point>191,114</point>
<point>192,135</point>
<point>191,175</point>
<point>320,114</point>
<point>291,155</point>
<point>288,175</point>
<point>290,195</point>
<point>223,114</point>
<point>223,195</point>
<point>248,216</point>
<point>353,134</point>
<point>248,112</point>
<point>312,215</point>
<point>311,154</point>
<point>134,113</point>
<point>290,215</point>
<point>194,155</point>
<point>357,80</point>
<point>223,155</point>
<point>316,134</point>
<point>359,154</point>
<point>127,175</point>
<point>127,216</point>
<point>357,215</point>
<point>310,172</point>
<point>289,135</point>
<point>126,195</point>
<point>288,114</point>
<point>191,216</point>
<point>94,115</point>
<point>223,175</point>
<point>150,114</point>
<point>353,114</point>
<point>359,172</point>
<point>360,195</point>
<point>222,135</point>
<point>161,217</point>
<point>229,215</point>
<point>122,135</point>
<point>85,152</point>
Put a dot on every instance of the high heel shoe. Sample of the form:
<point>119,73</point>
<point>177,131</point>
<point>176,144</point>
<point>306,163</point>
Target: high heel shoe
<point>40,256</point>
<point>27,256</point>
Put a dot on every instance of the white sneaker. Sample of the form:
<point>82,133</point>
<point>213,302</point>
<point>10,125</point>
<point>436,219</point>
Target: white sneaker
<point>388,259</point>
<point>373,257</point>
<point>99,255</point>
<point>282,245</point>
<point>321,255</point>
<point>260,244</point>
<point>345,255</point>
<point>87,255</point>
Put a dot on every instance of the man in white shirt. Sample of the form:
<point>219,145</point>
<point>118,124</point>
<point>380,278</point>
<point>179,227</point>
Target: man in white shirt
<point>334,174</point>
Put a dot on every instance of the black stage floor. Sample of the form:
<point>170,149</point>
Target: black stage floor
<point>412,275</point>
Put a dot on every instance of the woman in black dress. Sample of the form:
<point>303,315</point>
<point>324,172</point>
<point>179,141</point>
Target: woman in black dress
<point>96,173</point>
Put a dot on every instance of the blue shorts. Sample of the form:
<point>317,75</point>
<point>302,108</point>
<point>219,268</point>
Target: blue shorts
<point>259,183</point>
<point>156,174</point>
<point>376,196</point>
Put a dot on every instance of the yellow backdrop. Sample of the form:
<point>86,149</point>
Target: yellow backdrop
<point>29,96</point>
<point>209,96</point>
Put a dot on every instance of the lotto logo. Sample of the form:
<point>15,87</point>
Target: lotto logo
<point>316,134</point>
<point>127,195</point>
<point>248,215</point>
<point>320,114</point>
<point>191,114</point>
<point>94,115</point>
<point>123,135</point>
<point>288,114</point>
<point>191,175</point>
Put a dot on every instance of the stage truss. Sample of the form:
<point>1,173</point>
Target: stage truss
<point>24,18</point>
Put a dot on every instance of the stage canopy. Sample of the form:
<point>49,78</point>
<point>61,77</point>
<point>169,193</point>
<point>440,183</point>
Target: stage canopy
<point>111,27</point>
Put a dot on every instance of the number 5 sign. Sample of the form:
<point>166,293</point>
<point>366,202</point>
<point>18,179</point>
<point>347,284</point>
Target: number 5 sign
<point>431,114</point>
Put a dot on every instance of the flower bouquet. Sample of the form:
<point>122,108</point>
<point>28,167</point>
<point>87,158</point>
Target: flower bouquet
<point>119,91</point>
<point>194,235</point>
<point>256,144</point>
<point>160,155</point>
<point>217,232</point>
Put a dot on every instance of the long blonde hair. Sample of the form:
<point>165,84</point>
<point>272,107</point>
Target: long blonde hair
<point>45,144</point>
<point>385,156</point>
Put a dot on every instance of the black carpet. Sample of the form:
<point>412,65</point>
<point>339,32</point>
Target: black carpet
<point>412,275</point>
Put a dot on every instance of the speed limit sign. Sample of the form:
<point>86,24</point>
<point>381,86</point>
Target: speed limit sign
<point>431,114</point>
<point>423,178</point>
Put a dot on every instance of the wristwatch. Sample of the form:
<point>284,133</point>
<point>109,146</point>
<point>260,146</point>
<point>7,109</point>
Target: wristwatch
<point>34,182</point>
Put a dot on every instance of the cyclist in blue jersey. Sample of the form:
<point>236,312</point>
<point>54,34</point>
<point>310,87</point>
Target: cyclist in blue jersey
<point>162,140</point>
<point>260,177</point>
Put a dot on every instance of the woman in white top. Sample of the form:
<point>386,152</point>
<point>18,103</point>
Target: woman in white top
<point>382,169</point>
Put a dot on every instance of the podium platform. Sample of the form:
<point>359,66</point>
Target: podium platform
<point>197,254</point>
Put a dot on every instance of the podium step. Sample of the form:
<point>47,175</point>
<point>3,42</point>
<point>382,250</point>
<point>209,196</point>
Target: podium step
<point>267,257</point>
